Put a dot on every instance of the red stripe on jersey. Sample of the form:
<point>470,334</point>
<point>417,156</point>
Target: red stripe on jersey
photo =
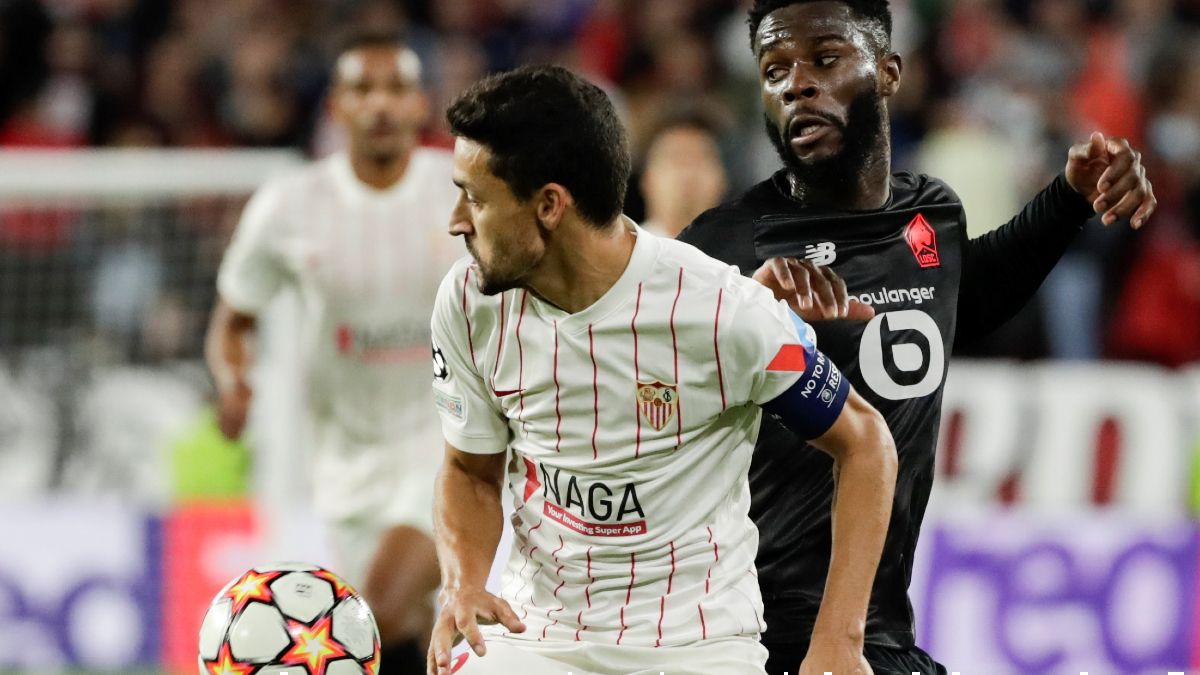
<point>675,348</point>
<point>703,627</point>
<point>470,340</point>
<point>521,361</point>
<point>662,603</point>
<point>716,557</point>
<point>717,349</point>
<point>789,358</point>
<point>587,594</point>
<point>521,574</point>
<point>500,345</point>
<point>637,374</point>
<point>628,593</point>
<point>595,391</point>
<point>561,582</point>
<point>662,609</point>
<point>557,412</point>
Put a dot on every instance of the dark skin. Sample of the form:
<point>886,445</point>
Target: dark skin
<point>815,60</point>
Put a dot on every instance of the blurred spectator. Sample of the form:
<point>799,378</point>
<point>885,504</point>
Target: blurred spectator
<point>993,89</point>
<point>681,174</point>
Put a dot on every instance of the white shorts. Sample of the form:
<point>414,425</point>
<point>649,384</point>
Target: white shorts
<point>355,540</point>
<point>723,656</point>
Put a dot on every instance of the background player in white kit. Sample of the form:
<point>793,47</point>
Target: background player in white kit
<point>361,237</point>
<point>613,379</point>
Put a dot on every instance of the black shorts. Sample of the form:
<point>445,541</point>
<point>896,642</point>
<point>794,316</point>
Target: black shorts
<point>786,658</point>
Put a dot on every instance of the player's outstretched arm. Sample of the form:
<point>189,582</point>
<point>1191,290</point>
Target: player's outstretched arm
<point>228,354</point>
<point>1004,268</point>
<point>468,521</point>
<point>865,478</point>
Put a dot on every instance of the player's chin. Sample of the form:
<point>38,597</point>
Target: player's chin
<point>492,285</point>
<point>816,153</point>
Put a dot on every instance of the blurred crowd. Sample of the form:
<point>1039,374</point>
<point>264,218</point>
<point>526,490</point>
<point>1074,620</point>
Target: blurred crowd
<point>993,94</point>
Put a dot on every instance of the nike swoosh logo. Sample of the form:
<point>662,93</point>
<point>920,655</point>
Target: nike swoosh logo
<point>500,393</point>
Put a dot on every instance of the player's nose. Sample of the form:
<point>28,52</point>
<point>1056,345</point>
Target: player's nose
<point>800,85</point>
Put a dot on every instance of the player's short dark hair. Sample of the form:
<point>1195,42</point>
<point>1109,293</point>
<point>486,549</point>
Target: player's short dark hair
<point>544,124</point>
<point>875,14</point>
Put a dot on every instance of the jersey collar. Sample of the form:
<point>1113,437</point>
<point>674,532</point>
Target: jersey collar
<point>641,264</point>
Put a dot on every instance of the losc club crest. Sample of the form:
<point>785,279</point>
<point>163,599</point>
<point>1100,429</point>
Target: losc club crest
<point>657,402</point>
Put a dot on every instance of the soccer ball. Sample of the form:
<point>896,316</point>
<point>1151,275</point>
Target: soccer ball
<point>289,619</point>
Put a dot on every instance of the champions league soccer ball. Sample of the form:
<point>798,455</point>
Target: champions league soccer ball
<point>288,620</point>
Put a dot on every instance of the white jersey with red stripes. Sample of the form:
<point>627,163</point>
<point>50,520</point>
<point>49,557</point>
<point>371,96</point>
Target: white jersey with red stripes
<point>631,425</point>
<point>366,265</point>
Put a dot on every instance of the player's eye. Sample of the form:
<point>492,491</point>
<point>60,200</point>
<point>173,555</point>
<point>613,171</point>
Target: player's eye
<point>775,73</point>
<point>827,60</point>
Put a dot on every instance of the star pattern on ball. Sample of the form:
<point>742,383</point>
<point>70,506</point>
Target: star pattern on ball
<point>341,589</point>
<point>371,666</point>
<point>225,664</point>
<point>253,585</point>
<point>313,646</point>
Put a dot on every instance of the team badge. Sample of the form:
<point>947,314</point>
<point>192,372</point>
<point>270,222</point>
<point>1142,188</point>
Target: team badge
<point>922,239</point>
<point>657,402</point>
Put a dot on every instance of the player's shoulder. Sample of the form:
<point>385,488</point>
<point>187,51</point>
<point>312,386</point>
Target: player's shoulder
<point>703,270</point>
<point>697,265</point>
<point>762,198</point>
<point>294,182</point>
<point>918,189</point>
<point>433,163</point>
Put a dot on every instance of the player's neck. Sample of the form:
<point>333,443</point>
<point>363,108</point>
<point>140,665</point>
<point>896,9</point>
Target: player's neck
<point>380,174</point>
<point>582,264</point>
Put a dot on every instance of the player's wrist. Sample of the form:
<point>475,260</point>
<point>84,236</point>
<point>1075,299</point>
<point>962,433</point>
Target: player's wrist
<point>844,629</point>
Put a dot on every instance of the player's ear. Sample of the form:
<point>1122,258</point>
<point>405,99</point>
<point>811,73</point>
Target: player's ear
<point>889,74</point>
<point>552,203</point>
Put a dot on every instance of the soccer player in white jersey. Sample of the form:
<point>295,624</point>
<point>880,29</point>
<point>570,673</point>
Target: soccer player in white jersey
<point>613,380</point>
<point>360,236</point>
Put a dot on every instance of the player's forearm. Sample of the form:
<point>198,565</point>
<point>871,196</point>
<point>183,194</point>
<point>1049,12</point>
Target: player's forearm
<point>227,346</point>
<point>468,520</point>
<point>1004,268</point>
<point>865,476</point>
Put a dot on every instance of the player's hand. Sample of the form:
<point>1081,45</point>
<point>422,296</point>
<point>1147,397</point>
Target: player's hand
<point>840,657</point>
<point>462,612</point>
<point>815,293</point>
<point>1109,174</point>
<point>233,406</point>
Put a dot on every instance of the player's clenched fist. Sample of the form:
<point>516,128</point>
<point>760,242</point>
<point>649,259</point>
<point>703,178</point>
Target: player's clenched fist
<point>815,293</point>
<point>840,657</point>
<point>1109,174</point>
<point>462,612</point>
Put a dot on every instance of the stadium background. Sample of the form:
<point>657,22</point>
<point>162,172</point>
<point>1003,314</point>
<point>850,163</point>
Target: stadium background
<point>1062,537</point>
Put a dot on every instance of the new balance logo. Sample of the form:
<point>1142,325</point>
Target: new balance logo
<point>821,254</point>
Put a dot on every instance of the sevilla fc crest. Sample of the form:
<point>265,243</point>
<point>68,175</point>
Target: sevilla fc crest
<point>922,239</point>
<point>657,402</point>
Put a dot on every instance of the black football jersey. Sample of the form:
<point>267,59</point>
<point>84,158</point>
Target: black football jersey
<point>905,259</point>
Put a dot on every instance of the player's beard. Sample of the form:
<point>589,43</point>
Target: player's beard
<point>864,136</point>
<point>505,270</point>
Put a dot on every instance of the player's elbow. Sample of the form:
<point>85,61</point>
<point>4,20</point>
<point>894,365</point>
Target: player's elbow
<point>861,436</point>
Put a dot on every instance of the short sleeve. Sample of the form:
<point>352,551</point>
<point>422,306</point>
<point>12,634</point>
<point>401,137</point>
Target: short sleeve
<point>776,364</point>
<point>471,419</point>
<point>766,343</point>
<point>252,271</point>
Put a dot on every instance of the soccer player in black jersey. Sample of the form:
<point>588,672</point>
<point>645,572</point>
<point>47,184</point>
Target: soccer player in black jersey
<point>899,241</point>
